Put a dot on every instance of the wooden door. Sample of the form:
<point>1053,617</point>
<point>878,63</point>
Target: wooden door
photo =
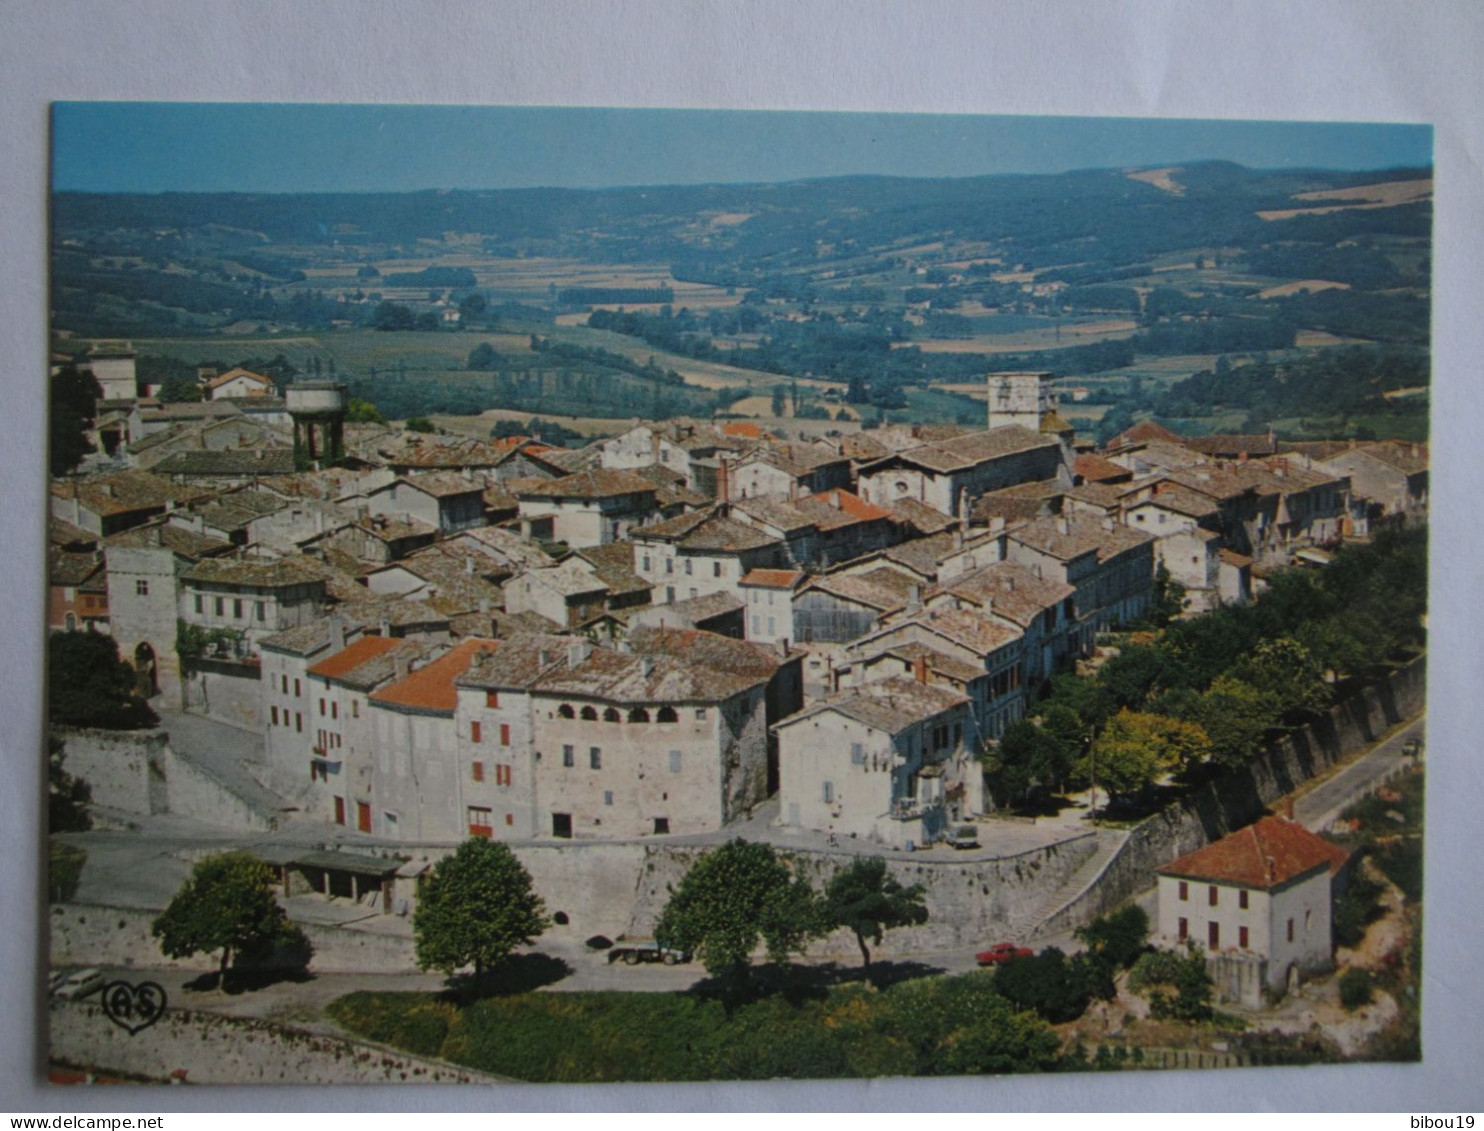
<point>363,816</point>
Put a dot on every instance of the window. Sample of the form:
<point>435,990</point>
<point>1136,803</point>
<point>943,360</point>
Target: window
<point>274,711</point>
<point>611,715</point>
<point>141,588</point>
<point>590,714</point>
<point>1211,895</point>
<point>237,608</point>
<point>200,605</point>
<point>595,757</point>
<point>479,821</point>
<point>700,714</point>
<point>661,826</point>
<point>1184,890</point>
<point>647,566</point>
<point>1242,937</point>
<point>565,711</point>
<point>298,723</point>
<point>715,569</point>
<point>569,756</point>
<point>667,715</point>
<point>492,699</point>
<point>220,605</point>
<point>296,688</point>
<point>608,797</point>
<point>1184,929</point>
<point>334,710</point>
<point>502,774</point>
<point>669,565</point>
<point>669,594</point>
<point>355,708</point>
<point>321,706</point>
<point>285,684</point>
<point>757,624</point>
<point>772,631</point>
<point>1242,900</point>
<point>675,761</point>
<point>510,818</point>
<point>476,732</point>
<point>477,769</point>
<point>261,610</point>
<point>504,734</point>
<point>1213,936</point>
<point>1290,930</point>
<point>1308,919</point>
<point>638,715</point>
<point>857,754</point>
<point>829,793</point>
<point>687,567</point>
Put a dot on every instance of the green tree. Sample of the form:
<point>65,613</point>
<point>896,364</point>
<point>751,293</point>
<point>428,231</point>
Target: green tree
<point>477,906</point>
<point>732,897</point>
<point>1117,938</point>
<point>1288,674</point>
<point>180,389</point>
<point>868,902</point>
<point>420,424</point>
<point>779,397</point>
<point>1135,750</point>
<point>1169,598</point>
<point>89,686</point>
<point>1056,988</point>
<point>1180,988</point>
<point>1028,757</point>
<point>1235,716</point>
<point>360,411</point>
<point>227,905</point>
<point>75,394</point>
<point>482,356</point>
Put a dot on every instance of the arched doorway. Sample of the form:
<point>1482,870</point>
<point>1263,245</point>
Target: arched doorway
<point>144,667</point>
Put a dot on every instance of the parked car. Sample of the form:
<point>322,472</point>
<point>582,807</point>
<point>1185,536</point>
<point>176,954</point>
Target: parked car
<point>78,984</point>
<point>634,951</point>
<point>962,836</point>
<point>1001,953</point>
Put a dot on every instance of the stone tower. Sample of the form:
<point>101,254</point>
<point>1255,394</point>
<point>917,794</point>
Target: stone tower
<point>318,409</point>
<point>1020,398</point>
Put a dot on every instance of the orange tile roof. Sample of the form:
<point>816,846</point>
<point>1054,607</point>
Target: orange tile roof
<point>852,504</point>
<point>432,688</point>
<point>773,578</point>
<point>352,657</point>
<point>743,429</point>
<point>1263,855</point>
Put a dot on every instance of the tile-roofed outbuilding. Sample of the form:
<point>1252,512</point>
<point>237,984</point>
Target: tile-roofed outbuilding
<point>1093,468</point>
<point>889,705</point>
<point>264,573</point>
<point>431,689</point>
<point>1266,855</point>
<point>599,484</point>
<point>1067,537</point>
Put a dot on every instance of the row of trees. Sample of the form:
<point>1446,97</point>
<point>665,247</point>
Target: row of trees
<point>1212,689</point>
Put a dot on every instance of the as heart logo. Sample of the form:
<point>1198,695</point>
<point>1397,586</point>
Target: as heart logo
<point>133,1008</point>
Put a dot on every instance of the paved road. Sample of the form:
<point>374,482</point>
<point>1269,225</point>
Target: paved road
<point>1322,803</point>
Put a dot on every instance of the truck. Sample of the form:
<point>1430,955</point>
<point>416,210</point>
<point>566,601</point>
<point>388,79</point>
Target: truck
<point>636,950</point>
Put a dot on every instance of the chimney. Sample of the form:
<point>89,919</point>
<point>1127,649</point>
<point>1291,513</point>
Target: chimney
<point>1064,524</point>
<point>399,664</point>
<point>783,647</point>
<point>958,538</point>
<point>646,665</point>
<point>577,652</point>
<point>723,481</point>
<point>1272,868</point>
<point>337,633</point>
<point>1242,457</point>
<point>996,524</point>
<point>919,669</point>
<point>1288,807</point>
<point>386,628</point>
<point>484,605</point>
<point>468,564</point>
<point>1108,523</point>
<point>914,597</point>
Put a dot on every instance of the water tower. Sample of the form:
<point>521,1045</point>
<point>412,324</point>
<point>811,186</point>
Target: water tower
<point>318,409</point>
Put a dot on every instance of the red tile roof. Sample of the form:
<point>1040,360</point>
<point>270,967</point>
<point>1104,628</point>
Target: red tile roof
<point>852,504</point>
<point>773,578</point>
<point>1263,855</point>
<point>352,657</point>
<point>432,688</point>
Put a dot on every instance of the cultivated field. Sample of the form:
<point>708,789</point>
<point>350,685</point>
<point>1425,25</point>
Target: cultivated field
<point>1387,194</point>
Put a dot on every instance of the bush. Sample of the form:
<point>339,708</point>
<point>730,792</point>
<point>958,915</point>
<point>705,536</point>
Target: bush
<point>1401,860</point>
<point>1119,938</point>
<point>1055,988</point>
<point>1357,910</point>
<point>90,686</point>
<point>1355,988</point>
<point>1184,988</point>
<point>64,870</point>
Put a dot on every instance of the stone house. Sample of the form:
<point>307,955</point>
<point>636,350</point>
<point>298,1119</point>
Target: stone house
<point>568,594</point>
<point>786,471</point>
<point>769,594</point>
<point>1111,568</point>
<point>588,508</point>
<point>1042,608</point>
<point>231,468</point>
<point>949,475</point>
<point>144,568</point>
<point>238,382</point>
<point>1391,475</point>
<point>114,501</point>
<point>692,448</point>
<point>252,597</point>
<point>822,530</point>
<point>77,591</point>
<point>448,500</point>
<point>1259,901</point>
<point>890,762</point>
<point>700,553</point>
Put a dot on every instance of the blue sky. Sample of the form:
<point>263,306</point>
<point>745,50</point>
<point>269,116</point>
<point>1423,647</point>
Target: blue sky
<point>201,147</point>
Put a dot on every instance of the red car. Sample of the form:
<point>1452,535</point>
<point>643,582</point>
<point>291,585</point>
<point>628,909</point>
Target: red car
<point>1001,953</point>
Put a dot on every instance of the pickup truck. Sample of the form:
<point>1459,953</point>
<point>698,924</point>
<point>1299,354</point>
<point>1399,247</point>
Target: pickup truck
<point>637,950</point>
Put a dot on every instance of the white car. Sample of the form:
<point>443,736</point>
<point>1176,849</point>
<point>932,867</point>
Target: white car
<point>78,984</point>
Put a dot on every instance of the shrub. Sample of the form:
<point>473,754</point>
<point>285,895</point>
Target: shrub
<point>1355,988</point>
<point>1119,938</point>
<point>1358,908</point>
<point>1055,988</point>
<point>1401,860</point>
<point>1185,975</point>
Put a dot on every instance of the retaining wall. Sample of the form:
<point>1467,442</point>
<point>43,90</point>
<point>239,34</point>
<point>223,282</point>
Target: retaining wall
<point>192,792</point>
<point>126,768</point>
<point>234,1050</point>
<point>1241,798</point>
<point>92,934</point>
